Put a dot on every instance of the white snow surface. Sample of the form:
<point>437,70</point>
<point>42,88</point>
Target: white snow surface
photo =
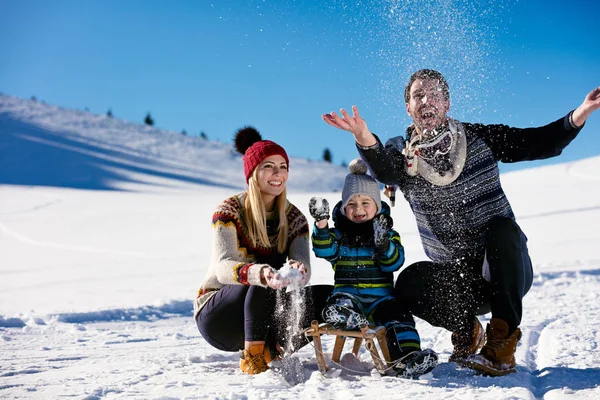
<point>105,235</point>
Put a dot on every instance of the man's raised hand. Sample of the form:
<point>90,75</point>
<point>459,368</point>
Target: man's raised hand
<point>590,104</point>
<point>351,123</point>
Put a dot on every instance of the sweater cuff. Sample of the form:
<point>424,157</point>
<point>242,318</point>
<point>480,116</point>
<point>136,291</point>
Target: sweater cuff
<point>371,147</point>
<point>569,124</point>
<point>254,274</point>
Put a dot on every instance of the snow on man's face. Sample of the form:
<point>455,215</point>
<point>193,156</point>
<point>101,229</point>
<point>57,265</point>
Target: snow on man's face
<point>428,105</point>
<point>360,209</point>
<point>271,176</point>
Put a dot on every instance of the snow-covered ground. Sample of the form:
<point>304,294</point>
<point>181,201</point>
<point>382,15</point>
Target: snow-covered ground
<point>105,235</point>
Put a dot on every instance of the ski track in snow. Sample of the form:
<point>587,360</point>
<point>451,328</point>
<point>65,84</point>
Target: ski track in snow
<point>61,246</point>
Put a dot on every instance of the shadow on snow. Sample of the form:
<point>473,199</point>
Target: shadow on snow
<point>539,381</point>
<point>175,308</point>
<point>34,156</point>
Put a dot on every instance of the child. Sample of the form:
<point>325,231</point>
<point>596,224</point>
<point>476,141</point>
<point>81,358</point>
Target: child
<point>365,251</point>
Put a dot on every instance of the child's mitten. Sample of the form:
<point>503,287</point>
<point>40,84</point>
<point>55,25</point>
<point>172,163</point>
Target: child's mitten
<point>318,208</point>
<point>381,234</point>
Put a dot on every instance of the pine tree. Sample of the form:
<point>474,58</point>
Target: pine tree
<point>148,120</point>
<point>203,135</point>
<point>327,155</point>
<point>184,132</point>
<point>109,113</point>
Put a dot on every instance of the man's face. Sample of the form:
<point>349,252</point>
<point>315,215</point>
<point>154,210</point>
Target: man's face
<point>428,105</point>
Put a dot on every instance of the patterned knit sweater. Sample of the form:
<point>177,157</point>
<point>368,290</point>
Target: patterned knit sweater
<point>235,261</point>
<point>350,249</point>
<point>452,219</point>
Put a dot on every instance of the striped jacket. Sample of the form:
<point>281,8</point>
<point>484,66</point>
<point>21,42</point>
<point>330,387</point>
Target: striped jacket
<point>350,248</point>
<point>452,219</point>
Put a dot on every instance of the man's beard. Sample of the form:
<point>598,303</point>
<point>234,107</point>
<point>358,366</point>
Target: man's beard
<point>432,133</point>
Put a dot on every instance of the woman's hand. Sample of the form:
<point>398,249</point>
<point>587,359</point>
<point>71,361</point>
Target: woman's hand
<point>297,265</point>
<point>295,276</point>
<point>273,279</point>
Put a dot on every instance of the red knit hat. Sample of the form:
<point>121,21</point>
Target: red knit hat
<point>249,143</point>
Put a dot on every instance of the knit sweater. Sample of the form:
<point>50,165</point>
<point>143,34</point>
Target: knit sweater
<point>350,249</point>
<point>236,261</point>
<point>452,219</point>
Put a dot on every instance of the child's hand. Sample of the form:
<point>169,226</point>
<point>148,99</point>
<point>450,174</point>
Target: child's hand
<point>319,208</point>
<point>381,234</point>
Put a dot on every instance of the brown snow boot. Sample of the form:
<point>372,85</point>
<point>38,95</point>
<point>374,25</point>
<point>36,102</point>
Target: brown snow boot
<point>467,342</point>
<point>273,355</point>
<point>253,361</point>
<point>497,357</point>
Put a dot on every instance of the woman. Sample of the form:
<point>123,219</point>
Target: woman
<point>240,304</point>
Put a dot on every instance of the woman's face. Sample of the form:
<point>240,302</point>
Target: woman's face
<point>360,209</point>
<point>271,176</point>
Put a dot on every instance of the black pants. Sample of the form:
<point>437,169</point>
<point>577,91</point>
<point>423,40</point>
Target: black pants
<point>450,295</point>
<point>238,313</point>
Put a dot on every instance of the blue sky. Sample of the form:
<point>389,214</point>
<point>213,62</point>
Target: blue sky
<point>214,66</point>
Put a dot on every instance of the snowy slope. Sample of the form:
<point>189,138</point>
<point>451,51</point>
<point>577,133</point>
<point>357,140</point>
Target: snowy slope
<point>44,145</point>
<point>105,235</point>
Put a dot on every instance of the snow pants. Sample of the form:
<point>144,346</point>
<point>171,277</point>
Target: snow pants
<point>450,295</point>
<point>238,313</point>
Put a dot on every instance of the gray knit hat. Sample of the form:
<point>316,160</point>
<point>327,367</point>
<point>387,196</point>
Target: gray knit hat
<point>358,182</point>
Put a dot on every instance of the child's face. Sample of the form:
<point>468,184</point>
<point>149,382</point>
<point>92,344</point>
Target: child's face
<point>360,209</point>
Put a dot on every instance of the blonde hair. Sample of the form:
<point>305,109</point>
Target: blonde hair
<point>255,216</point>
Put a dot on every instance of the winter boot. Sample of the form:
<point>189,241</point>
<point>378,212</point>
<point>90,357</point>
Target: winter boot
<point>273,355</point>
<point>497,357</point>
<point>253,361</point>
<point>467,342</point>
<point>415,364</point>
<point>341,317</point>
<point>343,312</point>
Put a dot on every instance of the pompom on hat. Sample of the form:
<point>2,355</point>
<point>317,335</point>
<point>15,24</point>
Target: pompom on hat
<point>358,182</point>
<point>248,142</point>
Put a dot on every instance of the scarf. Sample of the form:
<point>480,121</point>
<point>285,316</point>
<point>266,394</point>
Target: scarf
<point>439,155</point>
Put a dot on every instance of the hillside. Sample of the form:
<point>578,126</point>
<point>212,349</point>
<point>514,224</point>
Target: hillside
<point>45,145</point>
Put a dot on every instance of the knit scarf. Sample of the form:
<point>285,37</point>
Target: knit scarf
<point>439,155</point>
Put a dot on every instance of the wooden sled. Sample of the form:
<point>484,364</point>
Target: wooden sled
<point>366,334</point>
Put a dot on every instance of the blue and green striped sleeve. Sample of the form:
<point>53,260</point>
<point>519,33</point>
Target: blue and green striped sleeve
<point>325,243</point>
<point>393,259</point>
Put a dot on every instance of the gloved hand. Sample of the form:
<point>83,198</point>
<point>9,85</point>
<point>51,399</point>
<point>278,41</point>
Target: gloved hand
<point>381,234</point>
<point>390,192</point>
<point>318,208</point>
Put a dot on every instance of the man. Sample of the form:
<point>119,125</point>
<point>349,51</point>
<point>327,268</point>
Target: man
<point>448,173</point>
